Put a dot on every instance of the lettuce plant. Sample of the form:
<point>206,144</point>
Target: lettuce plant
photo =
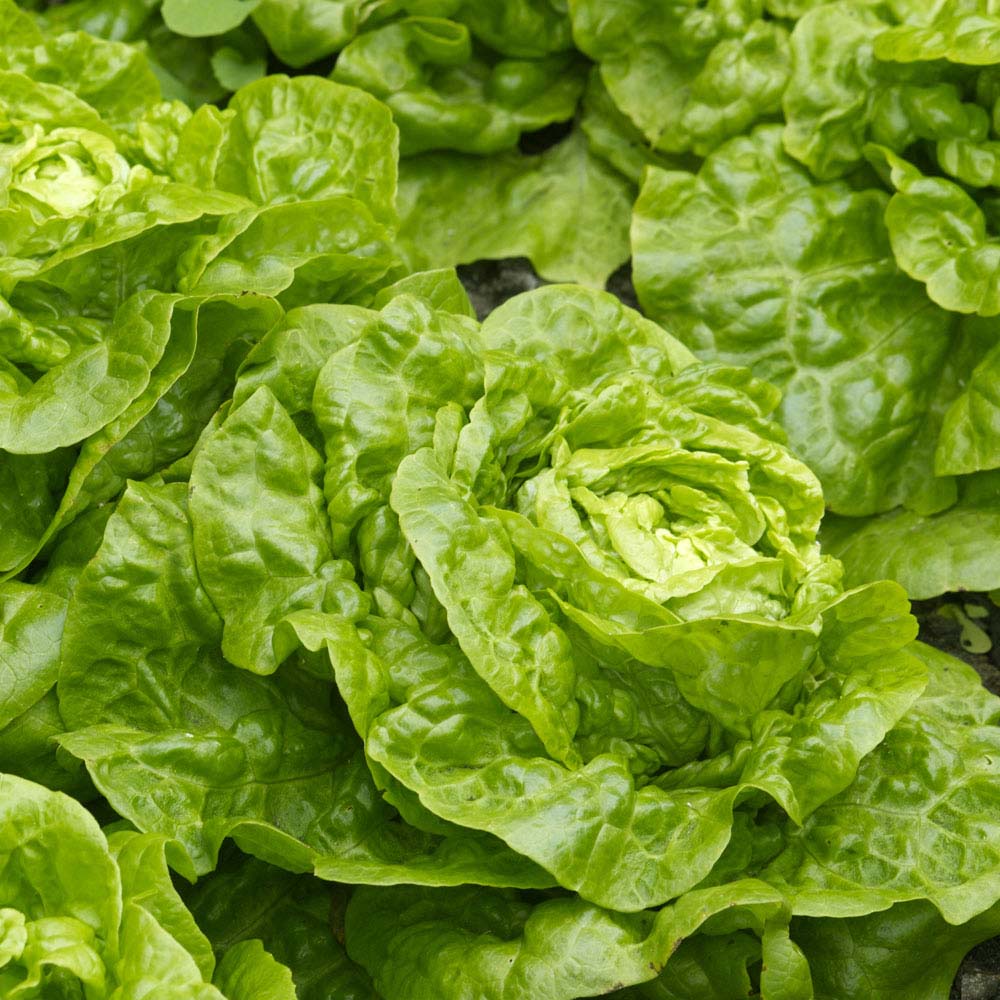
<point>535,606</point>
<point>94,915</point>
<point>447,658</point>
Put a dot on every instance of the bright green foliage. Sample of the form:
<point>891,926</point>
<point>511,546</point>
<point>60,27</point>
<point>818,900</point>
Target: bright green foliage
<point>494,660</point>
<point>456,209</point>
<point>965,31</point>
<point>799,281</point>
<point>938,236</point>
<point>442,96</point>
<point>841,96</point>
<point>887,396</point>
<point>86,915</point>
<point>955,549</point>
<point>689,74</point>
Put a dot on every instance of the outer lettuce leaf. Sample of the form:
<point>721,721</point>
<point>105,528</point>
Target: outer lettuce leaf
<point>422,944</point>
<point>752,261</point>
<point>193,19</point>
<point>31,620</point>
<point>440,288</point>
<point>970,434</point>
<point>278,124</point>
<point>525,28</point>
<point>299,252</point>
<point>956,549</point>
<point>302,31</point>
<point>907,951</point>
<point>964,32</point>
<point>30,486</point>
<point>28,750</point>
<point>564,209</point>
<point>376,399</point>
<point>162,423</point>
<point>690,75</point>
<point>939,237</point>
<point>113,78</point>
<point>443,96</point>
<point>92,387</point>
<point>919,821</point>
<point>613,136</point>
<point>186,745</point>
<point>247,971</point>
<point>292,915</point>
<point>259,456</point>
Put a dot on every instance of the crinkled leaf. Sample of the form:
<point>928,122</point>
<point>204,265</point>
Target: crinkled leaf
<point>956,549</point>
<point>939,237</point>
<point>908,952</point>
<point>248,972</point>
<point>422,944</point>
<point>964,32</point>
<point>690,75</point>
<point>291,914</point>
<point>970,434</point>
<point>305,139</point>
<point>752,261</point>
<point>840,96</point>
<point>93,386</point>
<point>277,558</point>
<point>564,209</point>
<point>445,96</point>
<point>186,745</point>
<point>31,620</point>
<point>919,821</point>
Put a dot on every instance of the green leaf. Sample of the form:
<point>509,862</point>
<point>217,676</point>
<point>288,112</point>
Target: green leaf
<point>445,96</point>
<point>908,951</point>
<point>376,400</point>
<point>440,288</point>
<point>248,972</point>
<point>422,944</point>
<point>564,209</point>
<point>197,19</point>
<point>752,262</point>
<point>492,774</point>
<point>967,33</point>
<point>277,558</point>
<point>93,386</point>
<point>303,31</point>
<point>306,139</point>
<point>300,252</point>
<point>840,96</point>
<point>292,915</point>
<point>956,549</point>
<point>28,750</point>
<point>185,745</point>
<point>506,633</point>
<point>525,28</point>
<point>142,862</point>
<point>970,434</point>
<point>917,823</point>
<point>613,136</point>
<point>939,237</point>
<point>31,622</point>
<point>689,76</point>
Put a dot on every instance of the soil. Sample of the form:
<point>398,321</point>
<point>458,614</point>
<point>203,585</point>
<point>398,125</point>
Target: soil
<point>966,625</point>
